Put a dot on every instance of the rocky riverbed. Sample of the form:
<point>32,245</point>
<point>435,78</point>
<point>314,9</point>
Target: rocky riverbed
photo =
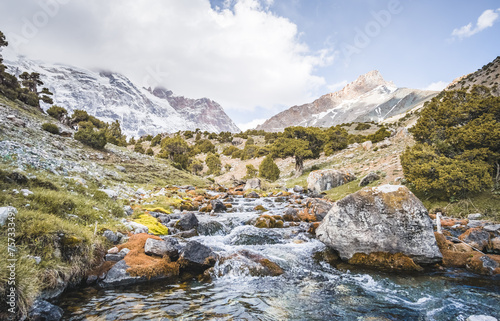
<point>253,256</point>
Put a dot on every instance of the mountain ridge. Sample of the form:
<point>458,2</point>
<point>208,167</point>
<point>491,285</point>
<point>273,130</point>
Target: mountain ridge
<point>111,96</point>
<point>368,98</point>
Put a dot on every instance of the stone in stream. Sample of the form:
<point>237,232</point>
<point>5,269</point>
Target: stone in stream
<point>218,206</point>
<point>44,311</point>
<point>245,262</point>
<point>251,235</point>
<point>211,228</point>
<point>481,317</point>
<point>187,222</point>
<point>196,256</point>
<point>322,180</point>
<point>385,219</point>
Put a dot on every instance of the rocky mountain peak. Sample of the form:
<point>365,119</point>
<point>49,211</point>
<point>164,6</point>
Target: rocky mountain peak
<point>363,84</point>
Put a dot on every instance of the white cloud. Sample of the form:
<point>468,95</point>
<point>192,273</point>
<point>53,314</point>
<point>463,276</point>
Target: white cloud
<point>436,86</point>
<point>241,55</point>
<point>485,20</point>
<point>251,124</point>
<point>337,86</point>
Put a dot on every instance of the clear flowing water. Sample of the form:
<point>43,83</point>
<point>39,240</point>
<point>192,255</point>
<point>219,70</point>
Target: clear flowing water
<point>308,290</point>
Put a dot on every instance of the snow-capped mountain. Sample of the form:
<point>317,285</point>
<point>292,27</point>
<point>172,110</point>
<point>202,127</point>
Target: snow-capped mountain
<point>110,96</point>
<point>368,98</point>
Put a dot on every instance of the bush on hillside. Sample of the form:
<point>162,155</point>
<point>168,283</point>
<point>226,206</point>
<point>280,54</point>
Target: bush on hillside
<point>51,128</point>
<point>268,169</point>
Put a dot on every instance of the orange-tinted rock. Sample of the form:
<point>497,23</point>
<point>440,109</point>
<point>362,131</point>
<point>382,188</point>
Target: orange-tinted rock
<point>313,227</point>
<point>484,264</point>
<point>476,237</point>
<point>385,261</point>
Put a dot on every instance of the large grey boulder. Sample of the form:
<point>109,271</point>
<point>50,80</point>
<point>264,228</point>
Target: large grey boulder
<point>253,183</point>
<point>388,218</point>
<point>322,180</point>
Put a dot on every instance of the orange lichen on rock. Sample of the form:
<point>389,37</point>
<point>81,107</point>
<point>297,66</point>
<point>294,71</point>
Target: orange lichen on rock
<point>313,227</point>
<point>453,221</point>
<point>101,269</point>
<point>307,215</point>
<point>478,263</point>
<point>385,261</point>
<point>144,265</point>
<point>268,221</point>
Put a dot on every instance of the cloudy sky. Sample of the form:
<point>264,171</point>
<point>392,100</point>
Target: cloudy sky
<point>259,57</point>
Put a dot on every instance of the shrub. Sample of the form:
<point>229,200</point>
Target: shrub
<point>138,148</point>
<point>91,137</point>
<point>57,112</point>
<point>251,172</point>
<point>268,169</point>
<point>228,151</point>
<point>457,147</point>
<point>362,126</point>
<point>214,164</point>
<point>51,128</point>
<point>150,152</point>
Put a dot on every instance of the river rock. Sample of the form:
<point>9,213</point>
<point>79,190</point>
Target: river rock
<point>388,218</point>
<point>298,189</point>
<point>251,235</point>
<point>244,263</point>
<point>196,256</point>
<point>253,183</point>
<point>252,195</point>
<point>492,228</point>
<point>212,228</point>
<point>318,207</point>
<point>371,177</point>
<point>155,247</point>
<point>476,237</point>
<point>218,206</point>
<point>323,180</point>
<point>481,317</point>
<point>44,311</point>
<point>5,212</point>
<point>187,222</point>
<point>118,275</point>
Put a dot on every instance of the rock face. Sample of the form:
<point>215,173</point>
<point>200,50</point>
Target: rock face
<point>253,183</point>
<point>387,218</point>
<point>368,98</point>
<point>319,181</point>
<point>112,96</point>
